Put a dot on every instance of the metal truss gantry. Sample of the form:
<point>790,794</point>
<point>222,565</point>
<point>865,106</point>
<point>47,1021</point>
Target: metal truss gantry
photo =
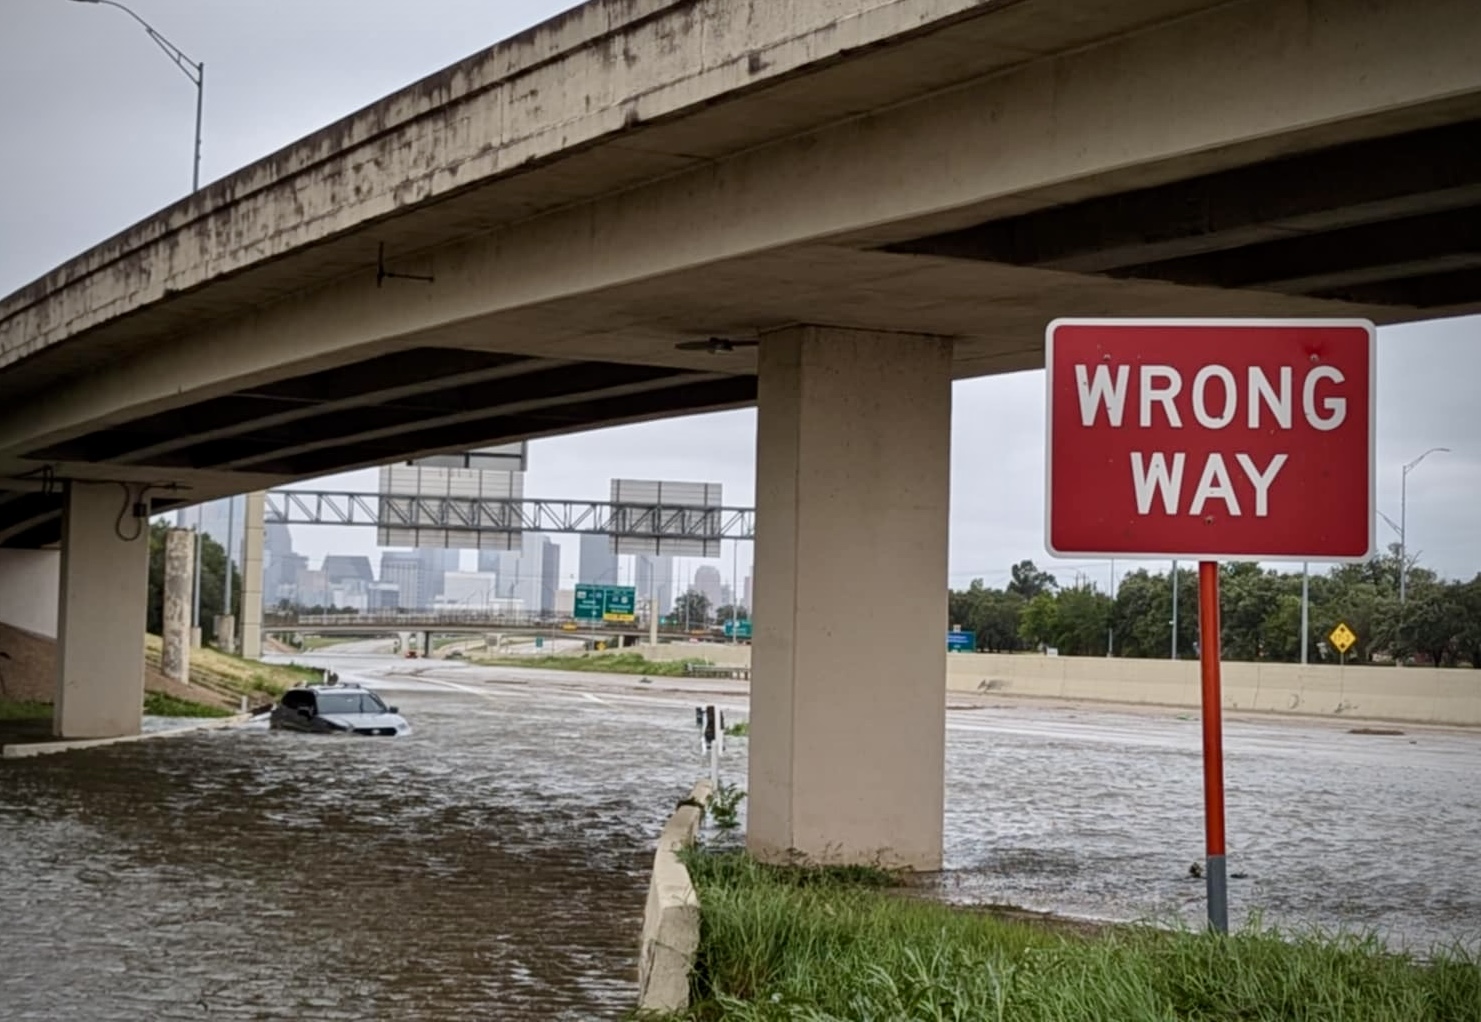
<point>510,515</point>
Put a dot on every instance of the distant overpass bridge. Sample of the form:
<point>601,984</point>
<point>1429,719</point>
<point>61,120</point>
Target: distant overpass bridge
<point>445,624</point>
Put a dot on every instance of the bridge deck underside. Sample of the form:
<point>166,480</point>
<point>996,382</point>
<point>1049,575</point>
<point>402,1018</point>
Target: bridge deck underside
<point>1378,218</point>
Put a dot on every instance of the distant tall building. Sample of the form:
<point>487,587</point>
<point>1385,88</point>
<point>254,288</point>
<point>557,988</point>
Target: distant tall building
<point>469,590</point>
<point>707,581</point>
<point>280,565</point>
<point>313,589</point>
<point>531,574</point>
<point>403,569</point>
<point>342,568</point>
<point>747,600</point>
<point>436,564</point>
<point>598,565</point>
<point>654,577</point>
<point>383,596</point>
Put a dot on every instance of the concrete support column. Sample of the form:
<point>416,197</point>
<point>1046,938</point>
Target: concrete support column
<point>101,613</point>
<point>847,742</point>
<point>253,536</point>
<point>176,643</point>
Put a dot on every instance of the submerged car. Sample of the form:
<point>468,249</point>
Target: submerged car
<point>338,710</point>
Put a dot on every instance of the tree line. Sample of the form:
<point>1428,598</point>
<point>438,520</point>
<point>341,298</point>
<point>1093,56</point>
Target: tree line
<point>1438,622</point>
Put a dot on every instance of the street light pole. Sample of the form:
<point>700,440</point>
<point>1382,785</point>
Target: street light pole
<point>194,70</point>
<point>1404,521</point>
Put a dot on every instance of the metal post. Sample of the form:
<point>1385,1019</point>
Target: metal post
<point>1403,532</point>
<point>195,619</point>
<point>1174,610</point>
<point>195,71</point>
<point>1305,608</point>
<point>200,102</point>
<point>734,591</point>
<point>231,526</point>
<point>1213,746</point>
<point>652,606</point>
<point>1403,520</point>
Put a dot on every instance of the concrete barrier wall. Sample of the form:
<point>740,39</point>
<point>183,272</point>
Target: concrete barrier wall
<point>1420,695</point>
<point>29,584</point>
<point>726,654</point>
<point>1413,694</point>
<point>671,918</point>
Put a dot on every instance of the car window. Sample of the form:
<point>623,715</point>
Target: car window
<point>350,702</point>
<point>297,700</point>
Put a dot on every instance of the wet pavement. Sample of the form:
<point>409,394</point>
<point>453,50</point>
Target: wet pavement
<point>493,863</point>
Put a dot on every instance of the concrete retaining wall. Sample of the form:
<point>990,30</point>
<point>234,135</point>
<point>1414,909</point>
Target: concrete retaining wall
<point>726,654</point>
<point>1421,695</point>
<point>671,918</point>
<point>29,584</point>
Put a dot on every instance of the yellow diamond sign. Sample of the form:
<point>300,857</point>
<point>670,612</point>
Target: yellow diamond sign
<point>1342,637</point>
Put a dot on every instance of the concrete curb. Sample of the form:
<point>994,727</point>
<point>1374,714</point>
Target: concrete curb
<point>671,919</point>
<point>25,750</point>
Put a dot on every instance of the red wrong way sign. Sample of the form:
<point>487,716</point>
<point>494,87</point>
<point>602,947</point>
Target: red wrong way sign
<point>1211,439</point>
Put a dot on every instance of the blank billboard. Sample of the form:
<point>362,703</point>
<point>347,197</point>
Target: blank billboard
<point>665,518</point>
<point>412,515</point>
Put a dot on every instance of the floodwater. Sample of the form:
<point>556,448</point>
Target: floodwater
<point>1100,814</point>
<point>493,863</point>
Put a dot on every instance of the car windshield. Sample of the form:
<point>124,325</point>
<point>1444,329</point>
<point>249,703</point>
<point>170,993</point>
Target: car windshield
<point>350,702</point>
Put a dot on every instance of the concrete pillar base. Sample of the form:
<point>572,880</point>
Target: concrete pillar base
<point>847,742</point>
<point>224,628</point>
<point>253,538</point>
<point>176,635</point>
<point>101,613</point>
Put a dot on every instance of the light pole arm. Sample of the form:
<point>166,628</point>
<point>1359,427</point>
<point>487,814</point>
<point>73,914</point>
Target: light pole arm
<point>191,68</point>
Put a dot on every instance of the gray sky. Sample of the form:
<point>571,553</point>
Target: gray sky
<point>98,127</point>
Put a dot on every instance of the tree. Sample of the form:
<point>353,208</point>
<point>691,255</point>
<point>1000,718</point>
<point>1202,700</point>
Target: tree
<point>1039,625</point>
<point>692,609</point>
<point>1028,581</point>
<point>1432,622</point>
<point>1083,619</point>
<point>1468,642</point>
<point>730,611</point>
<point>991,614</point>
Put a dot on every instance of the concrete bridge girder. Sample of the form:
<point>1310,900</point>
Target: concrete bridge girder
<point>795,224</point>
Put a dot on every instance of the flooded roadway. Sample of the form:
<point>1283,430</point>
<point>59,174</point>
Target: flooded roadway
<point>493,863</point>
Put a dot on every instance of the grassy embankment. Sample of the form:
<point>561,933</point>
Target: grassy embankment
<point>222,679</point>
<point>600,663</point>
<point>225,678</point>
<point>24,709</point>
<point>827,945</point>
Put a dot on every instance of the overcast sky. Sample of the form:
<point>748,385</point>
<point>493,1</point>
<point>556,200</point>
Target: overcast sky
<point>97,126</point>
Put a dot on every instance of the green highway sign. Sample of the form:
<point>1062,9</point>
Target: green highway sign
<point>738,629</point>
<point>606,603</point>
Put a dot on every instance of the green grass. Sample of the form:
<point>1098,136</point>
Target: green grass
<point>157,704</point>
<point>601,663</point>
<point>811,945</point>
<point>24,709</point>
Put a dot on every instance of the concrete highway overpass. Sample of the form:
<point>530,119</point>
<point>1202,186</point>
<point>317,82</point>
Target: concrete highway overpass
<point>886,194</point>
